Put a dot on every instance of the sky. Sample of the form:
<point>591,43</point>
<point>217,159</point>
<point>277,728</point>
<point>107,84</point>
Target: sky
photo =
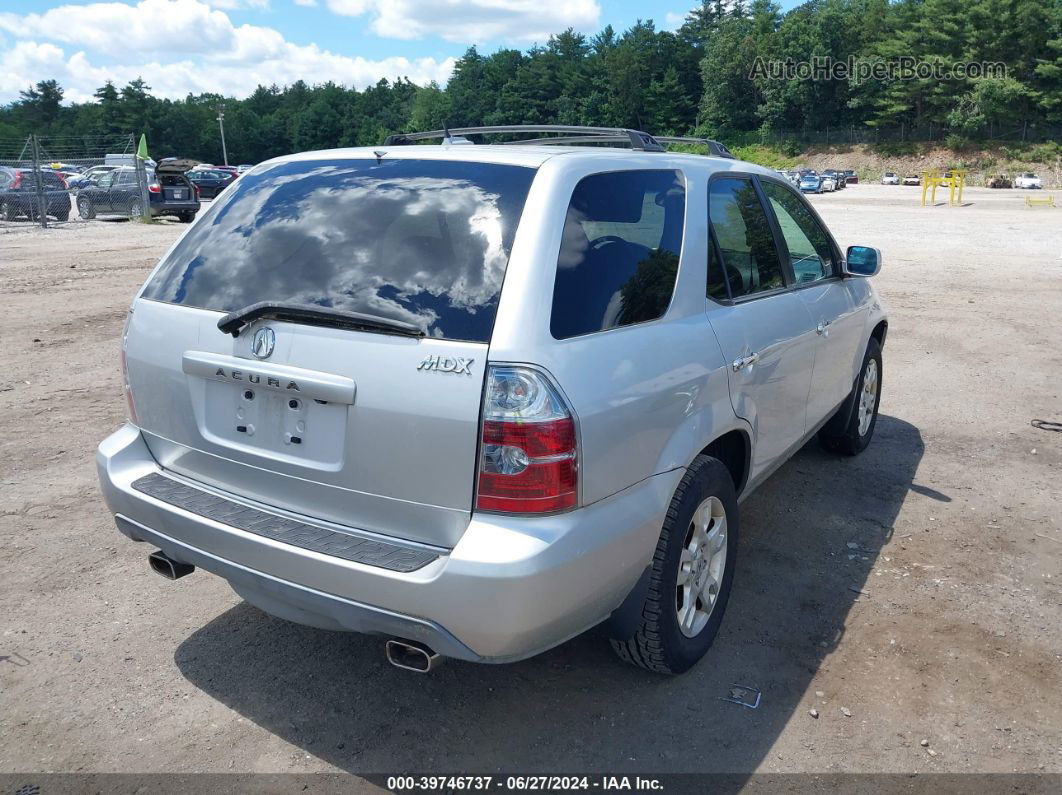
<point>231,46</point>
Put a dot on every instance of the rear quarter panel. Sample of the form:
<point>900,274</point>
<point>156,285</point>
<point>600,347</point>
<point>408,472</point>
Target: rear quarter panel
<point>648,397</point>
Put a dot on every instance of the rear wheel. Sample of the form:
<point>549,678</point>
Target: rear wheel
<point>8,210</point>
<point>186,218</point>
<point>691,575</point>
<point>861,409</point>
<point>134,208</point>
<point>62,214</point>
<point>85,208</point>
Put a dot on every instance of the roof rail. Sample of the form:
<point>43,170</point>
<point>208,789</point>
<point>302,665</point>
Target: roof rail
<point>563,134</point>
<point>714,147</point>
<point>636,138</point>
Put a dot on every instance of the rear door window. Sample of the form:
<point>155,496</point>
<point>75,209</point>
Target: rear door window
<point>743,235</point>
<point>620,251</point>
<point>422,241</point>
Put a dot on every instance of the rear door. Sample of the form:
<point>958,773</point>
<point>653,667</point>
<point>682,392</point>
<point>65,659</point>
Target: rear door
<point>762,327</point>
<point>370,430</point>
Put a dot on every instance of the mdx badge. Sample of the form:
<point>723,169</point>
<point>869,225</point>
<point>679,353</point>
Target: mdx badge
<point>446,364</point>
<point>263,342</point>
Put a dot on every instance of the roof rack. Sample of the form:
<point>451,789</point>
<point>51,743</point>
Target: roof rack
<point>561,134</point>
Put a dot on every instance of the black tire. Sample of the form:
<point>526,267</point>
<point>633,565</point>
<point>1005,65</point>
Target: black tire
<point>135,208</point>
<point>186,218</point>
<point>659,644</point>
<point>8,211</point>
<point>62,215</point>
<point>85,208</point>
<point>842,433</point>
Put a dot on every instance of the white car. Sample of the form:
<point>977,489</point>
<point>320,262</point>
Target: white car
<point>890,178</point>
<point>1028,180</point>
<point>829,184</point>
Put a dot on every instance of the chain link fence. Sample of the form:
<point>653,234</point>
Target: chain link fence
<point>54,180</point>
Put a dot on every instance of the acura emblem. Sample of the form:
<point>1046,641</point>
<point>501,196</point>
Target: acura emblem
<point>263,342</point>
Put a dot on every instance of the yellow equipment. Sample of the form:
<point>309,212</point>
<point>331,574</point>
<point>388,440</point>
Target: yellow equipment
<point>953,180</point>
<point>1047,201</point>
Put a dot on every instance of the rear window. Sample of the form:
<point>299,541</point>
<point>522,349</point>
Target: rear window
<point>422,241</point>
<point>619,251</point>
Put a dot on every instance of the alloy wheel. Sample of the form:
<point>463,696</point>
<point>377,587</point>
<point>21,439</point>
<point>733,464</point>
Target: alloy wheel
<point>868,397</point>
<point>701,566</point>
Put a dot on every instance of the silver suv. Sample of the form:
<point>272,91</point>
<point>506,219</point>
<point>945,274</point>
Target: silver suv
<point>481,398</point>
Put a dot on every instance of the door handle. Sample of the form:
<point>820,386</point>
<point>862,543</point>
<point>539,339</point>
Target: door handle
<point>823,327</point>
<point>745,361</point>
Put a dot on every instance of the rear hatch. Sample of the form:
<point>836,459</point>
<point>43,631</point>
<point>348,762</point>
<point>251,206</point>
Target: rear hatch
<point>354,422</point>
<point>170,173</point>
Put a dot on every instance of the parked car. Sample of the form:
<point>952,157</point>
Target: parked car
<point>793,177</point>
<point>837,177</point>
<point>810,183</point>
<point>1001,181</point>
<point>19,197</point>
<point>211,182</point>
<point>118,192</point>
<point>890,178</point>
<point>912,179</point>
<point>850,176</point>
<point>240,169</point>
<point>341,402</point>
<point>89,175</point>
<point>1028,180</point>
<point>828,183</point>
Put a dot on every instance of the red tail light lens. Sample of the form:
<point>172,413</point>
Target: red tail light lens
<point>18,181</point>
<point>154,187</point>
<point>529,451</point>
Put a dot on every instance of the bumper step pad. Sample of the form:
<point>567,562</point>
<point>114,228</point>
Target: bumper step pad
<point>369,552</point>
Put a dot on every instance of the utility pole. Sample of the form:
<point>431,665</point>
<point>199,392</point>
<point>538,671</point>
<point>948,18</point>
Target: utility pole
<point>221,124</point>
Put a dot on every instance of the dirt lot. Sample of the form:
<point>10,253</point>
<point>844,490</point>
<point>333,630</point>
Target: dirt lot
<point>915,587</point>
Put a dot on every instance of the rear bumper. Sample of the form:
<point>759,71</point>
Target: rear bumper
<point>174,208</point>
<point>510,588</point>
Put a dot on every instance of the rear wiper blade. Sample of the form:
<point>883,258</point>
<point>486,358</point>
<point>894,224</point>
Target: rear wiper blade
<point>234,322</point>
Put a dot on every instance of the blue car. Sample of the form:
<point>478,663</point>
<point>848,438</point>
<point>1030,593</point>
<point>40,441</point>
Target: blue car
<point>810,183</point>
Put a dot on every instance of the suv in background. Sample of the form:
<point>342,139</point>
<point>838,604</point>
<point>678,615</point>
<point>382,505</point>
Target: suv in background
<point>19,197</point>
<point>480,398</point>
<point>118,192</point>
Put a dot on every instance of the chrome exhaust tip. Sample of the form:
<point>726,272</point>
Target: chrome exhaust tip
<point>164,565</point>
<point>412,656</point>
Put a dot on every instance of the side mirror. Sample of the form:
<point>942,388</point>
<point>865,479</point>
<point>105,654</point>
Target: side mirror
<point>862,261</point>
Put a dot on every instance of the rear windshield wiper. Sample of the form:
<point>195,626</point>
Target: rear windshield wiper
<point>234,322</point>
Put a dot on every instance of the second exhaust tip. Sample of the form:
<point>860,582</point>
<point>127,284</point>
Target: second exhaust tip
<point>412,656</point>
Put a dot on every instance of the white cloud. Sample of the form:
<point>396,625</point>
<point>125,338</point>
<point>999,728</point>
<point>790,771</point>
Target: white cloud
<point>308,3</point>
<point>214,55</point>
<point>673,21</point>
<point>466,21</point>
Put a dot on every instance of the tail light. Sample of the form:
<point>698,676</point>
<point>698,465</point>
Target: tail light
<point>125,373</point>
<point>18,181</point>
<point>154,187</point>
<point>196,186</point>
<point>528,460</point>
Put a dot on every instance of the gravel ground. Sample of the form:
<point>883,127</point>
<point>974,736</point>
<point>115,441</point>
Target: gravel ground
<point>910,596</point>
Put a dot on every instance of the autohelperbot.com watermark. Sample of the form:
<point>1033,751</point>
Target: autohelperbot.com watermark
<point>902,67</point>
